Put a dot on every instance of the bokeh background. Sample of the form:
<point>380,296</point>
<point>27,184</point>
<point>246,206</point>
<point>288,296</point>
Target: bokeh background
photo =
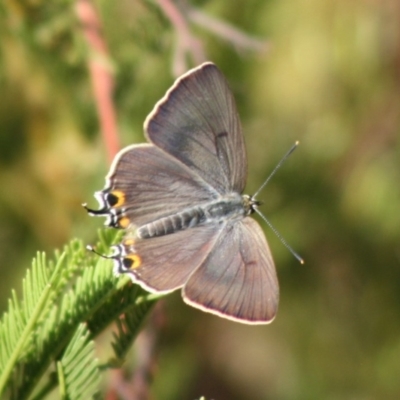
<point>326,73</point>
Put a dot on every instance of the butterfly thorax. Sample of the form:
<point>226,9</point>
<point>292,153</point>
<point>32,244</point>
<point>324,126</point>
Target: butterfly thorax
<point>230,207</point>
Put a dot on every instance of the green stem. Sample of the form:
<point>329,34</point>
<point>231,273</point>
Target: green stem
<point>61,381</point>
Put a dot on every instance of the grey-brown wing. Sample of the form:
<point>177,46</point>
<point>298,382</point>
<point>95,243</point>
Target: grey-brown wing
<point>197,123</point>
<point>164,263</point>
<point>145,183</point>
<point>237,280</point>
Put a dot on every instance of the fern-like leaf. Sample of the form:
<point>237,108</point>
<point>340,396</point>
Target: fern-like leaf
<point>78,370</point>
<point>16,329</point>
<point>58,296</point>
<point>128,325</point>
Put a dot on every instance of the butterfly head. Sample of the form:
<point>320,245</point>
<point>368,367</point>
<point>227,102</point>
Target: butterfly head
<point>250,204</point>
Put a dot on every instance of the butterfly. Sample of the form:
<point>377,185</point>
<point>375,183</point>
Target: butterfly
<point>179,199</point>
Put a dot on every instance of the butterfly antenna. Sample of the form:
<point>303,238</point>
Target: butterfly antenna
<point>298,258</point>
<point>291,150</point>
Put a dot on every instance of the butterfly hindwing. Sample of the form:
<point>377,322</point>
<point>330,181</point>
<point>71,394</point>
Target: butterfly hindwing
<point>237,280</point>
<point>164,263</point>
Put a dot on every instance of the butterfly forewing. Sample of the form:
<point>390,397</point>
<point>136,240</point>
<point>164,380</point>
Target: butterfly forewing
<point>237,279</point>
<point>153,184</point>
<point>197,122</point>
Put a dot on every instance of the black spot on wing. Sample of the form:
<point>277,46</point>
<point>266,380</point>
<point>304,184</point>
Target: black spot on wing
<point>112,199</point>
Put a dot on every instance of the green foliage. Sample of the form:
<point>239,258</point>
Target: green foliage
<point>128,326</point>
<point>66,302</point>
<point>78,371</point>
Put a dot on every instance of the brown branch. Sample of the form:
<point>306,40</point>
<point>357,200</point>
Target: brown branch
<point>186,43</point>
<point>146,346</point>
<point>180,13</point>
<point>232,35</point>
<point>100,72</point>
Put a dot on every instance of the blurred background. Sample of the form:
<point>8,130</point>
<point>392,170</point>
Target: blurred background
<point>326,73</point>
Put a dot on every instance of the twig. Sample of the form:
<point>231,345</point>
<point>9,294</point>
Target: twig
<point>186,43</point>
<point>146,345</point>
<point>180,13</point>
<point>100,73</point>
<point>229,33</point>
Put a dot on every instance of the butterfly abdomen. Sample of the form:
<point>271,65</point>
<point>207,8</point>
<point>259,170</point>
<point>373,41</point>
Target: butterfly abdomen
<point>173,223</point>
<point>226,208</point>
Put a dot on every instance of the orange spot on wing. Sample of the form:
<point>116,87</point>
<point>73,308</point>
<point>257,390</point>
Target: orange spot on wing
<point>129,242</point>
<point>124,222</point>
<point>132,261</point>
